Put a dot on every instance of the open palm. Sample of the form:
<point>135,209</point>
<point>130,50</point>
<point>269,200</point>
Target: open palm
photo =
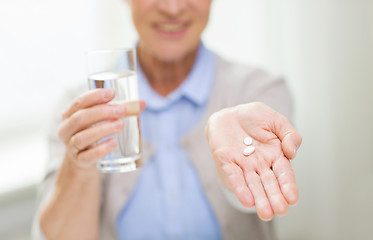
<point>265,178</point>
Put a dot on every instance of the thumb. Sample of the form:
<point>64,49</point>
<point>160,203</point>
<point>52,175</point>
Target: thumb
<point>289,137</point>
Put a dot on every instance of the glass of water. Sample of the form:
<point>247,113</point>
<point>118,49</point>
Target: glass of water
<point>116,69</point>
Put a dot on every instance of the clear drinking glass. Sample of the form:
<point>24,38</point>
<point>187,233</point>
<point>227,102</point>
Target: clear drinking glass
<point>116,69</point>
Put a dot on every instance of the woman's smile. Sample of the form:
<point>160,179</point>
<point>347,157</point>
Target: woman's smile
<point>171,29</point>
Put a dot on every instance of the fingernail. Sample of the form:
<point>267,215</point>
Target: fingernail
<point>295,150</point>
<point>132,108</point>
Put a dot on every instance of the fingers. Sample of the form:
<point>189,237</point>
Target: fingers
<point>89,157</point>
<point>289,137</point>
<point>90,109</point>
<point>89,136</point>
<point>272,188</point>
<point>238,183</point>
<point>273,192</point>
<point>262,204</point>
<point>89,99</point>
<point>85,118</point>
<point>286,179</point>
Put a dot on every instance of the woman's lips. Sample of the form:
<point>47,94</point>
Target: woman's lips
<point>171,29</point>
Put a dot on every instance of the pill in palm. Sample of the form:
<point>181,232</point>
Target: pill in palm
<point>248,141</point>
<point>249,150</point>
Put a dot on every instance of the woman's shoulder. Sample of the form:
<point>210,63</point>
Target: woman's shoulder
<point>238,74</point>
<point>240,83</point>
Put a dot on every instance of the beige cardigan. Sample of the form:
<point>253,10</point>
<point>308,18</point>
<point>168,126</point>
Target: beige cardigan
<point>234,84</point>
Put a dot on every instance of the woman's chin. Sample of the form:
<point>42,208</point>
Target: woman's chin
<point>173,54</point>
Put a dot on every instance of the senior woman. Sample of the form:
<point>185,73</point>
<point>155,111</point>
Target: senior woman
<point>188,188</point>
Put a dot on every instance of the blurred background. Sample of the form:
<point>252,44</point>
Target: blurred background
<point>324,48</point>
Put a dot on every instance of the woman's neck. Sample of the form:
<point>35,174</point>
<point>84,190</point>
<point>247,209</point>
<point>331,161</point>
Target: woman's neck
<point>165,76</point>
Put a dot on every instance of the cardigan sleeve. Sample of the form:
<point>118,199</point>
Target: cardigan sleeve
<point>56,150</point>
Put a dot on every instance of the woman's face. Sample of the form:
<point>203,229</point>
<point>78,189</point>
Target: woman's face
<point>169,29</point>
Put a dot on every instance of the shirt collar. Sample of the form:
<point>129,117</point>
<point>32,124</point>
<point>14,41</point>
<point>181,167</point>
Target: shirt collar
<point>197,85</point>
<point>195,88</point>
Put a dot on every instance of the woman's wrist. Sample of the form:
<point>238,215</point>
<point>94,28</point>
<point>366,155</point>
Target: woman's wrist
<point>70,172</point>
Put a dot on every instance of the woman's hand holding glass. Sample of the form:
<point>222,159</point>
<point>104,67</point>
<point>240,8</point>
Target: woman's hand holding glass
<point>89,119</point>
<point>265,178</point>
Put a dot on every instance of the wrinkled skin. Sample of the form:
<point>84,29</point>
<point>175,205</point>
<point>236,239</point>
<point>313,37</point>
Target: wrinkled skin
<point>264,179</point>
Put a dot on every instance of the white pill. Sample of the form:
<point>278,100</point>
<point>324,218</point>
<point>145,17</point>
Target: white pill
<point>248,141</point>
<point>249,150</point>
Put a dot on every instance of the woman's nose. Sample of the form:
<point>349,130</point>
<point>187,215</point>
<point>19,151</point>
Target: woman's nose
<point>172,7</point>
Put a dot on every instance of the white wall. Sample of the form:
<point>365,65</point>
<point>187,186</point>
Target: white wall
<point>323,47</point>
<point>42,47</point>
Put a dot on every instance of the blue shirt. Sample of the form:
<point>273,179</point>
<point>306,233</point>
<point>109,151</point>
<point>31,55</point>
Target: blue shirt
<point>168,201</point>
